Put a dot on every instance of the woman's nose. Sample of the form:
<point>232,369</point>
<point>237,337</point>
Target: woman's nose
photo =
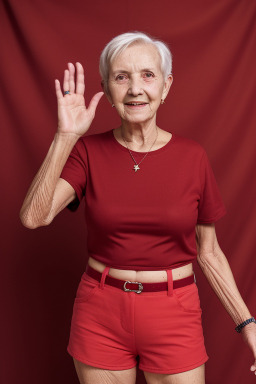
<point>135,87</point>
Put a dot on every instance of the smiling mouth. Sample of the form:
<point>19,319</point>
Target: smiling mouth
<point>135,104</point>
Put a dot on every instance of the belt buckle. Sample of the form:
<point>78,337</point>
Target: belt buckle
<point>133,290</point>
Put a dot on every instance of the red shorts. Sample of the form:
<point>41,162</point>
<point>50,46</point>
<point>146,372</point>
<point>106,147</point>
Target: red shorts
<point>114,329</point>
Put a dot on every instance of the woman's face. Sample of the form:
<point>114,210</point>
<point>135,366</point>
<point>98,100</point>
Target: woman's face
<point>136,84</point>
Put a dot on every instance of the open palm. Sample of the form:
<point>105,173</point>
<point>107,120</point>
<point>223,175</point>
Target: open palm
<point>73,116</point>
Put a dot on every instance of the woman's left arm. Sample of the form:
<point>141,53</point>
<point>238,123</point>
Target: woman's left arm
<point>217,270</point>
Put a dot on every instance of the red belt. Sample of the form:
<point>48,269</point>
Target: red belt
<point>135,286</point>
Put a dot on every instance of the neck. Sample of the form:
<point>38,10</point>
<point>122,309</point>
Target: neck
<point>139,134</point>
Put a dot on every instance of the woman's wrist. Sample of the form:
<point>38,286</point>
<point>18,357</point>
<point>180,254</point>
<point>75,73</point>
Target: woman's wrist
<point>240,326</point>
<point>67,136</point>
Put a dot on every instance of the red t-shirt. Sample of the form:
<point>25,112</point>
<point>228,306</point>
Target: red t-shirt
<point>143,220</point>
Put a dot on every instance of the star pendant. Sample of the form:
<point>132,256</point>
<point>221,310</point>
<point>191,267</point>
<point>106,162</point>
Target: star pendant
<point>136,167</point>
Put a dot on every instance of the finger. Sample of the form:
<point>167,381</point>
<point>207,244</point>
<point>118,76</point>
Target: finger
<point>79,79</point>
<point>94,102</point>
<point>253,367</point>
<point>71,77</point>
<point>58,90</point>
<point>66,80</point>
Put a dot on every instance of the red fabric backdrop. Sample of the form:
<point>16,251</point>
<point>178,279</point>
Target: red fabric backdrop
<point>211,101</point>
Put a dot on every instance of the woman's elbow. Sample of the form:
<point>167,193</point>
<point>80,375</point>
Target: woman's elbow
<point>210,258</point>
<point>202,260</point>
<point>31,222</point>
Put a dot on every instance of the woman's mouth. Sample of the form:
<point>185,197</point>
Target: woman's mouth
<point>136,104</point>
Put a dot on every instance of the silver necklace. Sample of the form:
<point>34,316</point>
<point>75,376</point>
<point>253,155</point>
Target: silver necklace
<point>136,166</point>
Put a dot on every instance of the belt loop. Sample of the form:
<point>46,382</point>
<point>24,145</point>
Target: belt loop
<point>103,277</point>
<point>170,282</point>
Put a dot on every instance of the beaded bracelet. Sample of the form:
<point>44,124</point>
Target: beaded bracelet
<point>240,326</point>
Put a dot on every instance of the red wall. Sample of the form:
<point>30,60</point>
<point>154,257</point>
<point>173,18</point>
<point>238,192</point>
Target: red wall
<point>211,101</point>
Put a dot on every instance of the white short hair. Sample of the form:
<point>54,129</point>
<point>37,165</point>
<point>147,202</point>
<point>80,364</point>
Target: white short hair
<point>119,43</point>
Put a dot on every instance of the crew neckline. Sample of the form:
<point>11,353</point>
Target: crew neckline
<point>154,152</point>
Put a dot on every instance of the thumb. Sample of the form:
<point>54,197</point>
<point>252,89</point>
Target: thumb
<point>253,367</point>
<point>94,102</point>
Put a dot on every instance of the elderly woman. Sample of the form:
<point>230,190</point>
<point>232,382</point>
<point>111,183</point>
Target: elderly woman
<point>151,201</point>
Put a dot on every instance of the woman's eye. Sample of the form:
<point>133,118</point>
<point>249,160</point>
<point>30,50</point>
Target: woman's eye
<point>121,77</point>
<point>148,75</point>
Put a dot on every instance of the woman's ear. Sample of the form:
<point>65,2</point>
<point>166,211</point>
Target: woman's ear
<point>105,90</point>
<point>167,86</point>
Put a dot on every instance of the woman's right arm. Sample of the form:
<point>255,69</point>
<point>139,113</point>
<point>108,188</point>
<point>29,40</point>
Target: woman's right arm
<point>48,193</point>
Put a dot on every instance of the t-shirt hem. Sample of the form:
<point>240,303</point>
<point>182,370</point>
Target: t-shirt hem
<point>145,267</point>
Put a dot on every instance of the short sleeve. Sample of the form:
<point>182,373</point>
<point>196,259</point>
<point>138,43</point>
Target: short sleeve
<point>75,172</point>
<point>210,207</point>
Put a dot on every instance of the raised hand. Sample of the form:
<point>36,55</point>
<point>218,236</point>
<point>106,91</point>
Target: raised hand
<point>73,116</point>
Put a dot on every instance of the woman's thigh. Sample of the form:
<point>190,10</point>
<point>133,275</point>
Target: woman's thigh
<point>193,376</point>
<point>92,375</point>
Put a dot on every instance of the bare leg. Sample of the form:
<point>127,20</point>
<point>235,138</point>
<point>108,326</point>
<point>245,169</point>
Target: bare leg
<point>92,375</point>
<point>193,376</point>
